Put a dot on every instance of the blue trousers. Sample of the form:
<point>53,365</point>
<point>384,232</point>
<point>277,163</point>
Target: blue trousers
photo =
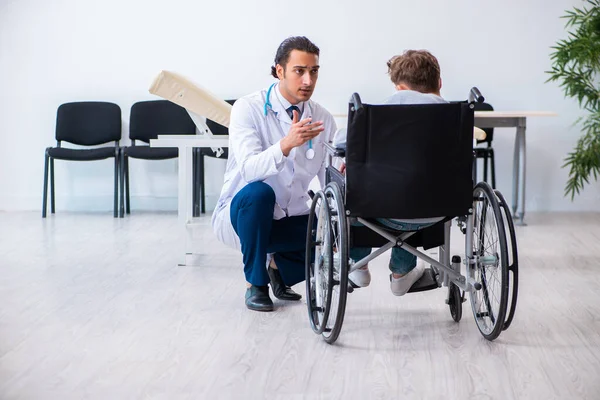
<point>252,219</point>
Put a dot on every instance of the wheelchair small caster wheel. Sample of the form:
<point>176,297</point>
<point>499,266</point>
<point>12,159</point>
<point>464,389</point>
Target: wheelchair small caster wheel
<point>455,301</point>
<point>477,286</point>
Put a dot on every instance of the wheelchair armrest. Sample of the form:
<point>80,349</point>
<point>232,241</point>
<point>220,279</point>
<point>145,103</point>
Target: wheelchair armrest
<point>336,151</point>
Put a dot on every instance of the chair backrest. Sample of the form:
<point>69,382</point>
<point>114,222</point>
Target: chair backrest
<point>148,119</point>
<point>489,132</point>
<point>218,129</point>
<point>88,123</point>
<point>409,161</point>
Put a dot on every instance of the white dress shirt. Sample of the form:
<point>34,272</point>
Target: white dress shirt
<point>255,155</point>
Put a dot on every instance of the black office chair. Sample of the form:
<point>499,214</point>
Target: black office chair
<point>486,153</point>
<point>216,129</point>
<point>147,120</point>
<point>88,123</point>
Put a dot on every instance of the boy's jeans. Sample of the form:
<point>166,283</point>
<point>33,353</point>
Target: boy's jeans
<point>401,262</point>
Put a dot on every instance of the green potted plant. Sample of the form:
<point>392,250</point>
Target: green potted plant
<point>576,66</point>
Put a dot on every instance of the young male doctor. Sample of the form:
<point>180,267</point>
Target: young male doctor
<point>276,148</point>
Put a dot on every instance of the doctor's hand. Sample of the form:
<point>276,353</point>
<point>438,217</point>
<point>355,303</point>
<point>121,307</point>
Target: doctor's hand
<point>300,133</point>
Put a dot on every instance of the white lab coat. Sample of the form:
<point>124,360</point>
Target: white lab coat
<point>255,155</point>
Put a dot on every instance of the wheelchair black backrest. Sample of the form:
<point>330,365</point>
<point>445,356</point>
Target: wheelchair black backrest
<point>409,161</point>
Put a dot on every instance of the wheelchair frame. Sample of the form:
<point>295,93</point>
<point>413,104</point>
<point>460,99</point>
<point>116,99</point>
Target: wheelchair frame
<point>329,268</point>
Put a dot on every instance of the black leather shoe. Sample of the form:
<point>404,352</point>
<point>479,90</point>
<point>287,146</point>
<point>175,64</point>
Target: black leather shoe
<point>281,291</point>
<point>257,298</point>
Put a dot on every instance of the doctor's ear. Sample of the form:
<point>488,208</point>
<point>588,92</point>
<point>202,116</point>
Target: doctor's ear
<point>280,71</point>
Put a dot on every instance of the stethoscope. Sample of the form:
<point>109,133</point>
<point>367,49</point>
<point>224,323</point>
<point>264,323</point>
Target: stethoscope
<point>310,152</point>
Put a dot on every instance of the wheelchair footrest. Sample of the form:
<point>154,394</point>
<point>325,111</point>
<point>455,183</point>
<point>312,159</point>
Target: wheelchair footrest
<point>426,282</point>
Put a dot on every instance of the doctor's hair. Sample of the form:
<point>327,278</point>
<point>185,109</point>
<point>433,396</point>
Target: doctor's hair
<point>300,43</point>
<point>418,69</point>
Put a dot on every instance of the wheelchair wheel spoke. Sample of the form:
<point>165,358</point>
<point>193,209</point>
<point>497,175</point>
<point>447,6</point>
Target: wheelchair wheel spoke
<point>486,299</point>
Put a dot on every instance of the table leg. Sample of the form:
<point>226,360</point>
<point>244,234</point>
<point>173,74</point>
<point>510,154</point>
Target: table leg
<point>515,178</point>
<point>521,128</point>
<point>184,203</point>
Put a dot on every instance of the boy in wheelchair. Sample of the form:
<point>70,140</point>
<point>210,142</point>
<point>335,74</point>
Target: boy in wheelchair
<point>408,173</point>
<point>416,77</point>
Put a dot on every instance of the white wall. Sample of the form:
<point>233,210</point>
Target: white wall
<point>68,50</point>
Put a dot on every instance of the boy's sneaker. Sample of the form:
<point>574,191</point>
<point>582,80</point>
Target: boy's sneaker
<point>400,286</point>
<point>360,277</point>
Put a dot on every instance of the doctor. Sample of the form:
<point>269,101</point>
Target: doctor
<point>276,139</point>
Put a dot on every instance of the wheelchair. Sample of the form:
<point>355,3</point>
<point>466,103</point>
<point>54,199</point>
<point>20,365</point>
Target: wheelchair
<point>409,162</point>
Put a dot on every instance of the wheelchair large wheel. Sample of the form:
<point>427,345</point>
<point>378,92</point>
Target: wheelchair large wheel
<point>339,283</point>
<point>513,258</point>
<point>327,274</point>
<point>319,254</point>
<point>490,270</point>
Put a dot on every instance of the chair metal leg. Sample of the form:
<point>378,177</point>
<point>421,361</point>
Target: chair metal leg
<point>121,183</point>
<point>45,194</point>
<point>202,191</point>
<point>485,167</point>
<point>493,168</point>
<point>116,190</point>
<point>52,192</point>
<point>127,198</point>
